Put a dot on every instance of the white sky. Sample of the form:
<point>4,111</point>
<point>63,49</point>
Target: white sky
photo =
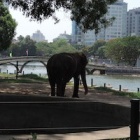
<point>47,27</point>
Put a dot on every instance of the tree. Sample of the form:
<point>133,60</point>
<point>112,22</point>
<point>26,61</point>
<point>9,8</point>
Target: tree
<point>88,14</point>
<point>86,50</point>
<point>7,28</point>
<point>23,47</point>
<point>131,50</point>
<point>47,49</point>
<point>43,48</point>
<point>114,50</point>
<point>125,50</point>
<point>94,49</point>
<point>101,52</point>
<point>61,45</point>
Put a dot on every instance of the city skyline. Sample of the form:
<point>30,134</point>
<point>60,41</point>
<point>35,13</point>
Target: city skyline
<point>48,26</point>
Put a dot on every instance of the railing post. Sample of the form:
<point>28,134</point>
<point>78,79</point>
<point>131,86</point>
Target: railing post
<point>91,82</point>
<point>17,70</point>
<point>120,87</point>
<point>134,126</point>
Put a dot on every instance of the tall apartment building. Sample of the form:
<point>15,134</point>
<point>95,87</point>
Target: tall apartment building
<point>38,36</point>
<point>133,22</point>
<point>117,29</point>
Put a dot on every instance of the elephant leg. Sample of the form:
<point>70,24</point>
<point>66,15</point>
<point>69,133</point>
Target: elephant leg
<point>52,84</point>
<point>59,88</point>
<point>63,88</point>
<point>76,87</point>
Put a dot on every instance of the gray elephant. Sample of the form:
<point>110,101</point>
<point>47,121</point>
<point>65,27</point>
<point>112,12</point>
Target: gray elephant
<point>62,67</point>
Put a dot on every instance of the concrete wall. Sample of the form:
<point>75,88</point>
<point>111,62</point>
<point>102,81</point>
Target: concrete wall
<point>58,115</point>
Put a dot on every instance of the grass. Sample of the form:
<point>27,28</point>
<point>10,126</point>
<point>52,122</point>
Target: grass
<point>33,78</point>
<point>5,75</point>
<point>120,93</point>
<point>28,78</point>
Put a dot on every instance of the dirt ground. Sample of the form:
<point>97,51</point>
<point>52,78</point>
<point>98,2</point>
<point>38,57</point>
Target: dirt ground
<point>44,89</point>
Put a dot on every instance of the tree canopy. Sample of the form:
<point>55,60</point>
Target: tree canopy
<point>24,45</point>
<point>7,28</point>
<point>125,50</point>
<point>97,48</point>
<point>88,14</point>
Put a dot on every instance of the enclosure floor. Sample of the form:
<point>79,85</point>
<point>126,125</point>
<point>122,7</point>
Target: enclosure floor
<point>123,132</point>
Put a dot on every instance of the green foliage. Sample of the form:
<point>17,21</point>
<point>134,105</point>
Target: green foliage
<point>34,136</point>
<point>87,14</point>
<point>7,28</point>
<point>86,50</point>
<point>61,45</point>
<point>101,52</point>
<point>28,78</point>
<point>33,76</point>
<point>83,12</point>
<point>42,49</point>
<point>114,50</point>
<point>131,50</point>
<point>95,50</point>
<point>21,47</point>
<point>125,50</point>
<point>120,93</point>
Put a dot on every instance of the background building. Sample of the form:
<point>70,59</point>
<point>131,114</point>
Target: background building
<point>65,36</point>
<point>117,29</point>
<point>77,34</point>
<point>133,22</point>
<point>38,36</point>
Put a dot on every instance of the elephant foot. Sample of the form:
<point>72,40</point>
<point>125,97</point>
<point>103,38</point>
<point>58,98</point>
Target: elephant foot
<point>75,96</point>
<point>52,94</point>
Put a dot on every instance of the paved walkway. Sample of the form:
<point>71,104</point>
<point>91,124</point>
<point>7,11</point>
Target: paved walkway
<point>95,135</point>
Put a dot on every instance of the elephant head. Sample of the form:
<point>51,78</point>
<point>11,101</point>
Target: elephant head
<point>62,67</point>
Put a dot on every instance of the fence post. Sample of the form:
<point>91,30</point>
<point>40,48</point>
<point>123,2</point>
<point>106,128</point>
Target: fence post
<point>134,126</point>
<point>120,87</point>
<point>138,89</point>
<point>104,85</point>
<point>91,82</point>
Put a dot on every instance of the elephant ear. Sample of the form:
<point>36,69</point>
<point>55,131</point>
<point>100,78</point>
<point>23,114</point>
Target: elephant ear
<point>84,60</point>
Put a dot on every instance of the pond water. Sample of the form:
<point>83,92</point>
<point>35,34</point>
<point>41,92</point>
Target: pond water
<point>132,83</point>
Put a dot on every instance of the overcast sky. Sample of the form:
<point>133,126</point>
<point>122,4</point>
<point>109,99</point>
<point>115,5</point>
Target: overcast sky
<point>47,27</point>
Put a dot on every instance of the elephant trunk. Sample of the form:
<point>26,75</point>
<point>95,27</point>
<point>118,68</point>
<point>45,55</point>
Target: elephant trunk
<point>83,77</point>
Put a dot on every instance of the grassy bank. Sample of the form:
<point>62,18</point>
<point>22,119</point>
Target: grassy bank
<point>33,78</point>
<point>28,78</point>
<point>120,93</point>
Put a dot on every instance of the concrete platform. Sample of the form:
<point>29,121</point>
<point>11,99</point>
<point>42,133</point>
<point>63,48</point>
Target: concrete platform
<point>35,112</point>
<point>123,132</point>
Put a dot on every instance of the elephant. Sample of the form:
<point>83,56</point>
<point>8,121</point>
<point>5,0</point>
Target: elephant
<point>62,67</point>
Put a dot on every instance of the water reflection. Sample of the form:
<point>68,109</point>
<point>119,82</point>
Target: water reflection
<point>127,82</point>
